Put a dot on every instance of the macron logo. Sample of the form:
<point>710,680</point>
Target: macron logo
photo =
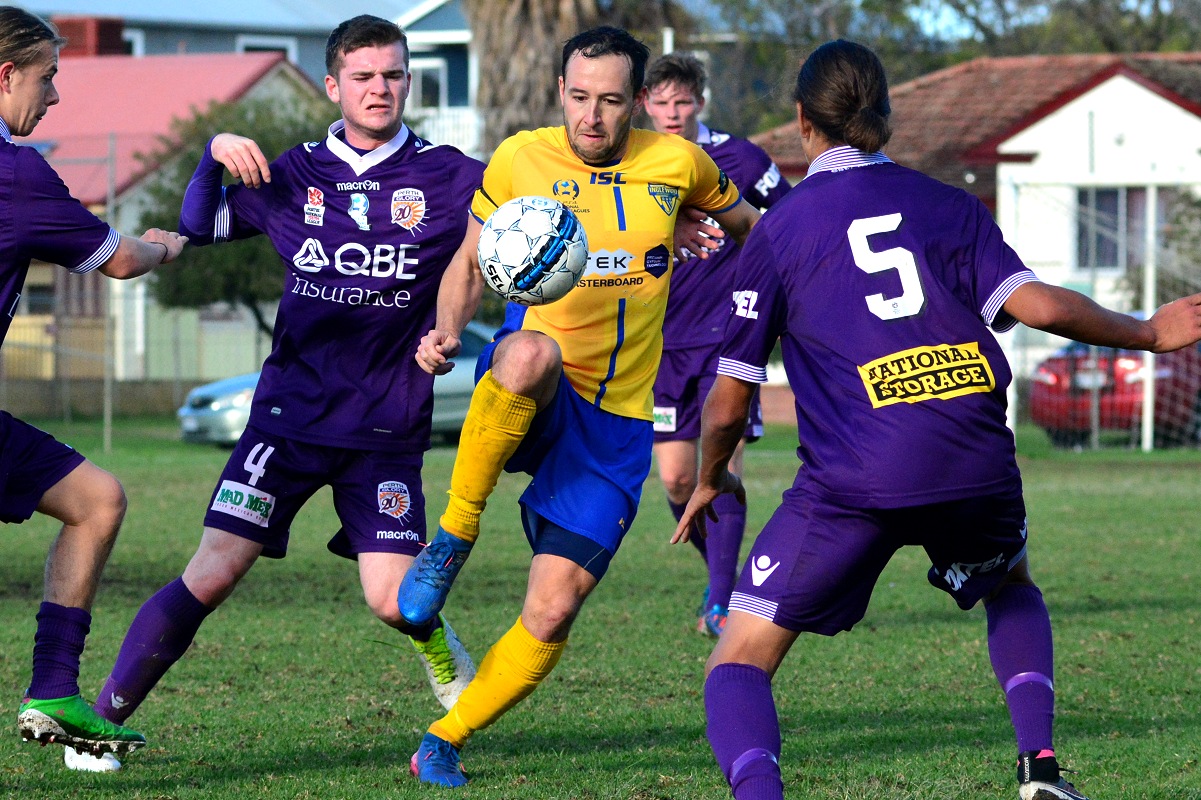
<point>118,702</point>
<point>761,569</point>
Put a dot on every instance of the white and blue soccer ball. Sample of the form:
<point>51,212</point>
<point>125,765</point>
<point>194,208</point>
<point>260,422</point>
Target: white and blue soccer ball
<point>533,250</point>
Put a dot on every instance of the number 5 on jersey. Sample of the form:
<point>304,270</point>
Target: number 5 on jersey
<point>912,298</point>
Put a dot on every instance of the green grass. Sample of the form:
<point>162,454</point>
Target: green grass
<point>288,692</point>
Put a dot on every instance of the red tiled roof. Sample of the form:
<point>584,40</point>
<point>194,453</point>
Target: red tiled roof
<point>949,123</point>
<point>135,98</point>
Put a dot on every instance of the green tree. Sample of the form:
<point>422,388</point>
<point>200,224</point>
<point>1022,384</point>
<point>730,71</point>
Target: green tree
<point>244,273</point>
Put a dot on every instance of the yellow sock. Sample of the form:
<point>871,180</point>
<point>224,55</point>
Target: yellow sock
<point>510,671</point>
<point>496,423</point>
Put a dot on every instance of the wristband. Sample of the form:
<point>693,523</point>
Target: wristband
<point>166,252</point>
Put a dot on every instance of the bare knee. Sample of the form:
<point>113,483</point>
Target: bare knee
<point>528,363</point>
<point>678,485</point>
<point>550,620</point>
<point>218,565</point>
<point>88,497</point>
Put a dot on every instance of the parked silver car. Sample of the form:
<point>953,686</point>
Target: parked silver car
<point>216,413</point>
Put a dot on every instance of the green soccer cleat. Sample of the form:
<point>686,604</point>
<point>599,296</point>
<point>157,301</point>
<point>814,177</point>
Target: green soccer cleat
<point>447,664</point>
<point>71,721</point>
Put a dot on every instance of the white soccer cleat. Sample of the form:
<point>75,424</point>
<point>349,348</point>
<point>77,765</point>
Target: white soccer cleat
<point>447,663</point>
<point>86,762</point>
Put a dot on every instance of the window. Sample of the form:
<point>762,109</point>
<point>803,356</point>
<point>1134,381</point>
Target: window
<point>429,83</point>
<point>135,41</point>
<point>252,43</point>
<point>1110,225</point>
<point>38,299</point>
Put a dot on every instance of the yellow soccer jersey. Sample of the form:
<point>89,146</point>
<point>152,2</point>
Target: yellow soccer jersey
<point>610,327</point>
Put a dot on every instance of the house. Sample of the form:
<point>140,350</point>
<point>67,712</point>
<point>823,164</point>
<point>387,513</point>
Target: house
<point>1073,153</point>
<point>115,108</point>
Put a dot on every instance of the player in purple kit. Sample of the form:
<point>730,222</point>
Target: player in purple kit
<point>40,219</point>
<point>697,310</point>
<point>365,222</point>
<point>883,285</point>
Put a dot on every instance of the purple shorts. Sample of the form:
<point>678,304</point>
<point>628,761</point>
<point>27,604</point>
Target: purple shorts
<point>684,380</point>
<point>377,495</point>
<point>31,461</point>
<point>814,566</point>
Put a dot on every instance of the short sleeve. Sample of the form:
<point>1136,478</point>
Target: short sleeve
<point>54,226</point>
<point>712,191</point>
<point>758,317</point>
<point>997,271</point>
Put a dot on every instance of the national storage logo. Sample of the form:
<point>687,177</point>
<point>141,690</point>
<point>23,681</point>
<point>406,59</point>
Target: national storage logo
<point>939,372</point>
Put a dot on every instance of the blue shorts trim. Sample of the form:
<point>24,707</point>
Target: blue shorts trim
<point>547,538</point>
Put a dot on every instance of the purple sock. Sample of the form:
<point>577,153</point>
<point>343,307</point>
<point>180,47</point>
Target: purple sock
<point>159,636</point>
<point>743,730</point>
<point>57,645</point>
<point>698,541</point>
<point>725,541</point>
<point>1019,644</point>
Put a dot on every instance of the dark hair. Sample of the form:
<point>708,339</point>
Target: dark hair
<point>358,32</point>
<point>843,91</point>
<point>22,35</point>
<point>682,69</point>
<point>607,40</point>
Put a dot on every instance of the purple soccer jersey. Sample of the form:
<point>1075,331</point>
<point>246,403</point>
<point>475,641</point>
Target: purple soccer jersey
<point>365,239</point>
<point>699,303</point>
<point>883,299</point>
<point>40,219</point>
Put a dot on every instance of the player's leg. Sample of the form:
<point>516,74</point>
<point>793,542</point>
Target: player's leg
<point>90,504</point>
<point>811,569</point>
<point>724,544</point>
<point>523,378</point>
<point>1021,649</point>
<point>990,563</point>
<point>742,726</point>
<point>265,482</point>
<point>518,663</point>
<point>379,500</point>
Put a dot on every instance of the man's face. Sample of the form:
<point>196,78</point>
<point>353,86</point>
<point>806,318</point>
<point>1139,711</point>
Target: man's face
<point>598,106</point>
<point>29,91</point>
<point>674,109</point>
<point>371,88</point>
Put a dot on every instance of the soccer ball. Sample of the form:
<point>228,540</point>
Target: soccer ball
<point>533,250</point>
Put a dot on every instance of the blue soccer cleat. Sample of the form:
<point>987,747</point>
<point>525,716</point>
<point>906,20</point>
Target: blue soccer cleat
<point>427,583</point>
<point>437,762</point>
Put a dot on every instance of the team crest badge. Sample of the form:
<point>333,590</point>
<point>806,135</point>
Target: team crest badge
<point>394,499</point>
<point>314,209</point>
<point>566,190</point>
<point>408,208</point>
<point>665,196</point>
<point>358,210</point>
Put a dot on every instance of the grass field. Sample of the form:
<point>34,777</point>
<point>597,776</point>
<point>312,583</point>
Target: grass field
<point>293,690</point>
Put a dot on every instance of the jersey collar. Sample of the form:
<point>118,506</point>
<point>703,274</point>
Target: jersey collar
<point>8,137</point>
<point>703,134</point>
<point>361,163</point>
<point>844,157</point>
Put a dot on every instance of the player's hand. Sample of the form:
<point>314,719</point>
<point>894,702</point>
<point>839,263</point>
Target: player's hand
<point>171,240</point>
<point>695,234</point>
<point>435,351</point>
<point>702,501</point>
<point>242,157</point>
<point>1177,324</point>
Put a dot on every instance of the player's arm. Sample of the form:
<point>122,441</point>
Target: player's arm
<point>202,199</point>
<point>739,220</point>
<point>723,423</point>
<point>1073,315</point>
<point>458,299</point>
<point>135,257</point>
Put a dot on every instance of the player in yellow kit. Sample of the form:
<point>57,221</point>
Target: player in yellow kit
<point>565,390</point>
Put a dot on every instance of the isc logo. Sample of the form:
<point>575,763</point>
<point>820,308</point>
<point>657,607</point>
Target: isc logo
<point>352,258</point>
<point>606,178</point>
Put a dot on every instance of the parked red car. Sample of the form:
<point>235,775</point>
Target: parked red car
<point>1062,386</point>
